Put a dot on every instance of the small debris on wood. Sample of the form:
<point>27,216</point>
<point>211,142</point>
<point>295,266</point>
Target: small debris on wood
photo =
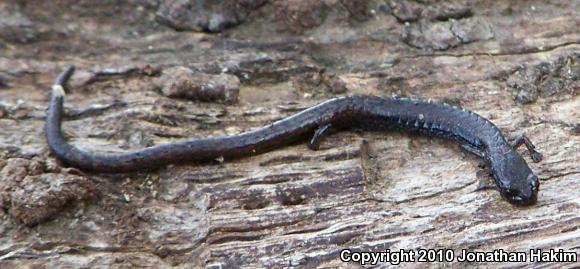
<point>32,197</point>
<point>202,15</point>
<point>432,36</point>
<point>181,82</point>
<point>448,34</point>
<point>546,79</point>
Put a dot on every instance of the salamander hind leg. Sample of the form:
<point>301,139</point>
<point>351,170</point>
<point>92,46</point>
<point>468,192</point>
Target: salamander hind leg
<point>473,150</point>
<point>319,133</point>
<point>524,140</point>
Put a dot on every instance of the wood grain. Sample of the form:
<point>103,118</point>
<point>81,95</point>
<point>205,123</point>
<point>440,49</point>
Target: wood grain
<point>291,207</point>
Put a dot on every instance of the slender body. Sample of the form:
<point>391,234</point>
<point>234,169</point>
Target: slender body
<point>474,133</point>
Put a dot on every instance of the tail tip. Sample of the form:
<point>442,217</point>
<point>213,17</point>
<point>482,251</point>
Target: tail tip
<point>64,75</point>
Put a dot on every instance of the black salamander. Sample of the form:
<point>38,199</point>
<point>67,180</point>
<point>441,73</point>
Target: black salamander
<point>513,176</point>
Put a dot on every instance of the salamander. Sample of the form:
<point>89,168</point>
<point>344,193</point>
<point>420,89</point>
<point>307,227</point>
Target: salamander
<point>514,178</point>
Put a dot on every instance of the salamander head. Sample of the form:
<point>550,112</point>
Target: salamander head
<point>515,179</point>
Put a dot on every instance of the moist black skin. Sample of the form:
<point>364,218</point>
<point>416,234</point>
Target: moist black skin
<point>515,180</point>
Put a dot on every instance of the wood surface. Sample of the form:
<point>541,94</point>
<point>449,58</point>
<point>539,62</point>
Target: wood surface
<point>516,63</point>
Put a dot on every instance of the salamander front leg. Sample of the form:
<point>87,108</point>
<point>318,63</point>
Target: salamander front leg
<point>523,139</point>
<point>319,133</point>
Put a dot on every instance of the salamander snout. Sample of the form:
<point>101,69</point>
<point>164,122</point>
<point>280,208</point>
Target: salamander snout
<point>523,195</point>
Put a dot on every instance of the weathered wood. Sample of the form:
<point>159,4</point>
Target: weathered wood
<point>516,63</point>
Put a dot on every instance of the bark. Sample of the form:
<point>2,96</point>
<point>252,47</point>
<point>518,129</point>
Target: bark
<point>516,63</point>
